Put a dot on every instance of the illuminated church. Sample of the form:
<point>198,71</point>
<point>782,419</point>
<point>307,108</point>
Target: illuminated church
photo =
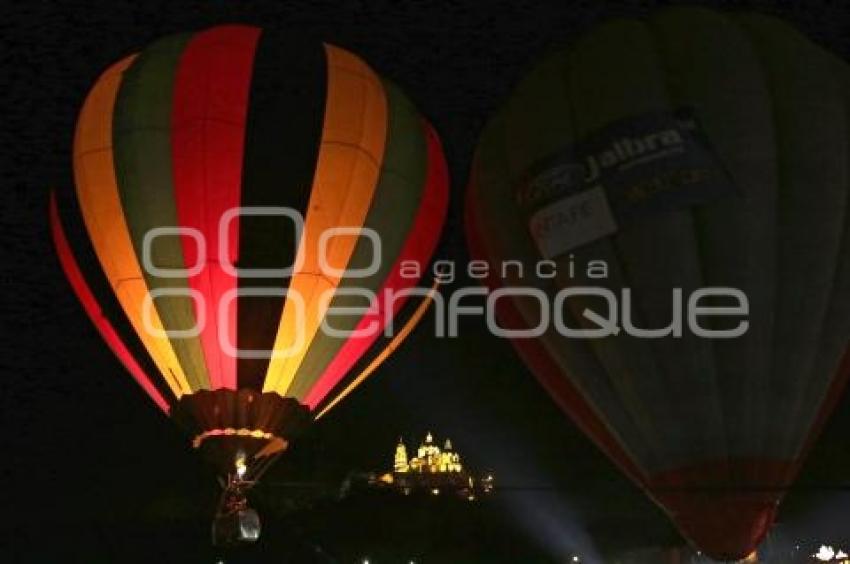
<point>434,470</point>
<point>429,458</point>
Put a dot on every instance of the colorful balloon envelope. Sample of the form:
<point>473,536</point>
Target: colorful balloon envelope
<point>650,162</point>
<point>233,187</point>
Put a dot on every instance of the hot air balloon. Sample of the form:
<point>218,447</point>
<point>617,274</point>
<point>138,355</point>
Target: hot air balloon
<point>692,153</point>
<point>235,188</point>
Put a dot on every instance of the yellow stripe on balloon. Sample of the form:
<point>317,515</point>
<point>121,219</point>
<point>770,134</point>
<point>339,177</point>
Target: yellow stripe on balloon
<point>349,162</point>
<point>97,191</point>
<point>387,351</point>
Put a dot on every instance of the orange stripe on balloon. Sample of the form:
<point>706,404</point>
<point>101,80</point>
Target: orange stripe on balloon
<point>97,191</point>
<point>418,248</point>
<point>352,148</point>
<point>93,310</point>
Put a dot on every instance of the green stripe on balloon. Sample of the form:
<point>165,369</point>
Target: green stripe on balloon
<point>718,73</point>
<point>812,151</point>
<point>142,151</point>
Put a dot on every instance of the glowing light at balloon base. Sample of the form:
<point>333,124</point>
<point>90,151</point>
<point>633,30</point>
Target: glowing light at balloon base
<point>233,425</point>
<point>242,432</point>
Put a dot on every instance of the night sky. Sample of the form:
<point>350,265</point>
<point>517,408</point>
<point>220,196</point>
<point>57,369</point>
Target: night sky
<point>94,473</point>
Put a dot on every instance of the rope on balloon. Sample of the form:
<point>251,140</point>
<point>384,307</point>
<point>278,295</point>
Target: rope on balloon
<point>396,341</point>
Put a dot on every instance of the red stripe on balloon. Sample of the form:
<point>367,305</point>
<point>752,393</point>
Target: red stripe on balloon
<point>548,373</point>
<point>418,247</point>
<point>92,309</point>
<point>208,133</point>
<point>727,506</point>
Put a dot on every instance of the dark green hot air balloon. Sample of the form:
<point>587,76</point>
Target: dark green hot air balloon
<point>654,160</point>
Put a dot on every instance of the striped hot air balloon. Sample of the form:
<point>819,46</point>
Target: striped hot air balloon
<point>689,150</point>
<point>211,171</point>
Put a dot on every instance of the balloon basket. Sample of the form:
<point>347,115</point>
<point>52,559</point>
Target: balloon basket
<point>235,523</point>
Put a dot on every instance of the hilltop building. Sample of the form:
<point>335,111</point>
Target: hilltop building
<point>429,458</point>
<point>433,469</point>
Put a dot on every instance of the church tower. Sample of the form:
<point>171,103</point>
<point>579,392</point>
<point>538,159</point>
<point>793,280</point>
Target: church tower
<point>400,464</point>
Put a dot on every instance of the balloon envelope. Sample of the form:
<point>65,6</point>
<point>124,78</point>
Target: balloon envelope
<point>233,187</point>
<point>650,161</point>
